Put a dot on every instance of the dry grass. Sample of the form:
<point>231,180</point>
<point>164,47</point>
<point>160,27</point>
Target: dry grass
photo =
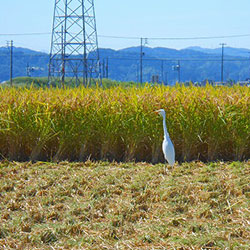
<point>99,205</point>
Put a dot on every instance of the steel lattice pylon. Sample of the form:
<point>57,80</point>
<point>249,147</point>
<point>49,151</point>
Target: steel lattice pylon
<point>74,45</point>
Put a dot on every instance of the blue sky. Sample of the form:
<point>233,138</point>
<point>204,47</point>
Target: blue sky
<point>135,18</point>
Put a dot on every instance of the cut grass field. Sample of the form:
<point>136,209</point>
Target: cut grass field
<point>100,205</point>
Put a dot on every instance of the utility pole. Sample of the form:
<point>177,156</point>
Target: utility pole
<point>28,70</point>
<point>11,61</point>
<point>162,71</point>
<point>222,62</point>
<point>137,73</point>
<point>179,71</point>
<point>249,58</point>
<point>107,68</point>
<point>166,78</point>
<point>141,56</point>
<point>103,68</point>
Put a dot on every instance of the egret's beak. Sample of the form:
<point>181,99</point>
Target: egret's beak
<point>157,111</point>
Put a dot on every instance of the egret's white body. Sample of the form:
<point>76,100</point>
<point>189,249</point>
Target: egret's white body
<point>167,145</point>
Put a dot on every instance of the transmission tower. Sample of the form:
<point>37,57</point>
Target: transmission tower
<point>74,46</point>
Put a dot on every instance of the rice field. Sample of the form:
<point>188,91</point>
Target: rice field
<point>207,124</point>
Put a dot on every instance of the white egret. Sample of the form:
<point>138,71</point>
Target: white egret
<point>167,145</point>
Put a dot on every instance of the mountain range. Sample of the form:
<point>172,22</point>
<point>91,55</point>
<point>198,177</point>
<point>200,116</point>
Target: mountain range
<point>196,63</point>
<point>241,52</point>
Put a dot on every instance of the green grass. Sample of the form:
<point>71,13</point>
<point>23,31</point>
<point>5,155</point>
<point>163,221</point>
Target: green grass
<point>100,205</point>
<point>42,82</point>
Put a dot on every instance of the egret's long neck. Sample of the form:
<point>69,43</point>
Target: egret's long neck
<point>165,127</point>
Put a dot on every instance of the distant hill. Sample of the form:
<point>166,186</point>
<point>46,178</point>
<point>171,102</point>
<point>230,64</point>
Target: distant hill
<point>22,58</point>
<point>227,51</point>
<point>196,63</point>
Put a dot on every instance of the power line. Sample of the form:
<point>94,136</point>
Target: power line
<point>181,59</point>
<point>25,34</point>
<point>199,37</point>
<point>120,37</point>
<point>178,38</point>
<point>136,38</point>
